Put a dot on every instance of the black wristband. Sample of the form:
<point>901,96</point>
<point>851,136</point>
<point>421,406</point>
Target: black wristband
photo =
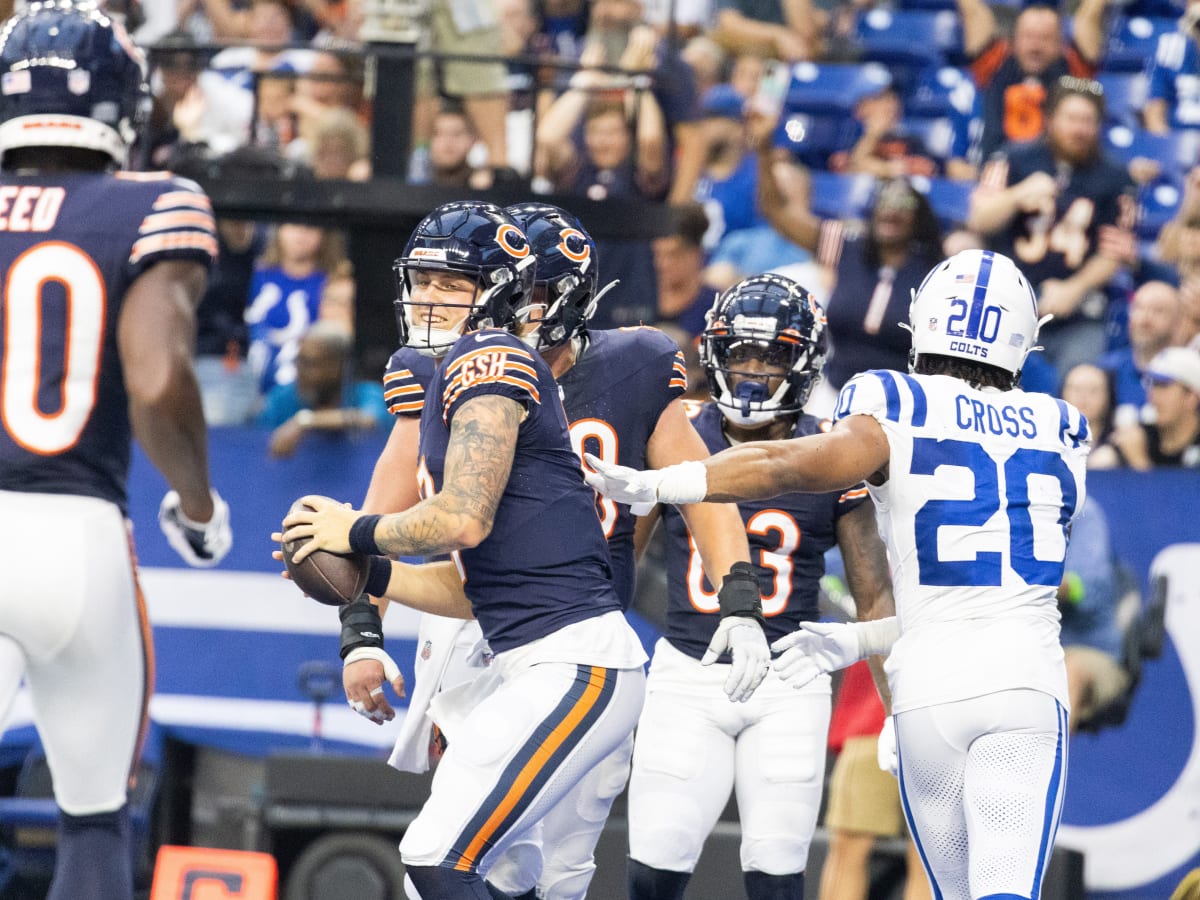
<point>362,535</point>
<point>361,626</point>
<point>739,594</point>
<point>378,576</point>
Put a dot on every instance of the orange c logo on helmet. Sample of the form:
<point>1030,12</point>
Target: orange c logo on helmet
<point>573,244</point>
<point>512,240</point>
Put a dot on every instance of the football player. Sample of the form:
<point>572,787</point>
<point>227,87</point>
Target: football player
<point>763,349</point>
<point>620,390</point>
<point>504,493</point>
<point>103,271</point>
<point>977,481</point>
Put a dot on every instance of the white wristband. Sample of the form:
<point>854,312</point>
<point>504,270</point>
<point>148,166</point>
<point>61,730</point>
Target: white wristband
<point>877,636</point>
<point>682,483</point>
<point>391,671</point>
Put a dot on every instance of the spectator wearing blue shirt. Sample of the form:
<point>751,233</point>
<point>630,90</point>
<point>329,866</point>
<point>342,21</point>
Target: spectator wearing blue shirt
<point>1154,314</point>
<point>1173,96</point>
<point>729,180</point>
<point>285,297</point>
<point>323,398</point>
<point>1087,600</point>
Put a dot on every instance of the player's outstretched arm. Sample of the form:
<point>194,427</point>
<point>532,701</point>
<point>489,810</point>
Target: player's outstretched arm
<point>155,339</point>
<point>855,450</point>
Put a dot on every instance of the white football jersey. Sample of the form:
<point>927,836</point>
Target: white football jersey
<point>982,486</point>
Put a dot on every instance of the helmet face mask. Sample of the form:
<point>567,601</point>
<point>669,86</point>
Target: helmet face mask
<point>976,305</point>
<point>472,242</point>
<point>70,77</point>
<point>775,321</point>
<point>567,275</point>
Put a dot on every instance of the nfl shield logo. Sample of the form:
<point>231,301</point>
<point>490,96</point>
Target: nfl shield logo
<point>933,324</point>
<point>427,650</point>
<point>79,81</point>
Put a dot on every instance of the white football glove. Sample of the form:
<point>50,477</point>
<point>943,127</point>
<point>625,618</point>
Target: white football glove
<point>391,672</point>
<point>886,755</point>
<point>750,656</point>
<point>201,544</point>
<point>816,648</point>
<point>685,482</point>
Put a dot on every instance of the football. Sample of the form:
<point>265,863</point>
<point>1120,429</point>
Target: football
<point>334,579</point>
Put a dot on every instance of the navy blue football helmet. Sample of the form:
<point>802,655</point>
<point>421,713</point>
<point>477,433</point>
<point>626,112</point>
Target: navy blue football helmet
<point>776,320</point>
<point>568,273</point>
<point>70,77</point>
<point>479,241</point>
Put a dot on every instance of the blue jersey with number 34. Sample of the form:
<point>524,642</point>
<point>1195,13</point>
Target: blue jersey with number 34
<point>982,485</point>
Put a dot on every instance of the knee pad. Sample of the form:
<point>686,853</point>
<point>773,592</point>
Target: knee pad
<point>518,869</point>
<point>774,853</point>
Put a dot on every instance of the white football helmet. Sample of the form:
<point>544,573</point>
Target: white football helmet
<point>976,305</point>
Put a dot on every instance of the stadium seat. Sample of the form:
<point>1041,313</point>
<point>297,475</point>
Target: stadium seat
<point>951,200</point>
<point>1157,203</point>
<point>944,91</point>
<point>812,139</point>
<point>910,37</point>
<point>1156,9</point>
<point>833,89</point>
<point>1132,41</point>
<point>1124,96</point>
<point>943,138</point>
<point>1176,151</point>
<point>837,196</point>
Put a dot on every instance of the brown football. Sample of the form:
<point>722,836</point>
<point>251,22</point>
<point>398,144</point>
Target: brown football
<point>331,578</point>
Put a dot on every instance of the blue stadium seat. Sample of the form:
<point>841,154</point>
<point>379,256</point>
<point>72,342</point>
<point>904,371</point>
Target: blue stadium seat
<point>1157,204</point>
<point>1132,41</point>
<point>1014,5</point>
<point>1176,151</point>
<point>1124,96</point>
<point>911,37</point>
<point>812,139</point>
<point>837,196</point>
<point>1154,9</point>
<point>951,200</point>
<point>944,91</point>
<point>833,89</point>
<point>943,137</point>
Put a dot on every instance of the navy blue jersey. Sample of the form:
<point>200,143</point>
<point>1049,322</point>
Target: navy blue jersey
<point>788,535</point>
<point>71,244</point>
<point>614,396</point>
<point>545,564</point>
<point>1090,196</point>
<point>405,381</point>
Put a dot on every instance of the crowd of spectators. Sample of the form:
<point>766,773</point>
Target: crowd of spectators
<point>1064,137</point>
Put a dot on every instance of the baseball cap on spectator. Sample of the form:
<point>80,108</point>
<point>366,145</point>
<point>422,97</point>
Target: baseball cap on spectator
<point>1176,364</point>
<point>722,101</point>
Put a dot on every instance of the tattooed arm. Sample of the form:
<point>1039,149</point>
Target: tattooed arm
<point>483,439</point>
